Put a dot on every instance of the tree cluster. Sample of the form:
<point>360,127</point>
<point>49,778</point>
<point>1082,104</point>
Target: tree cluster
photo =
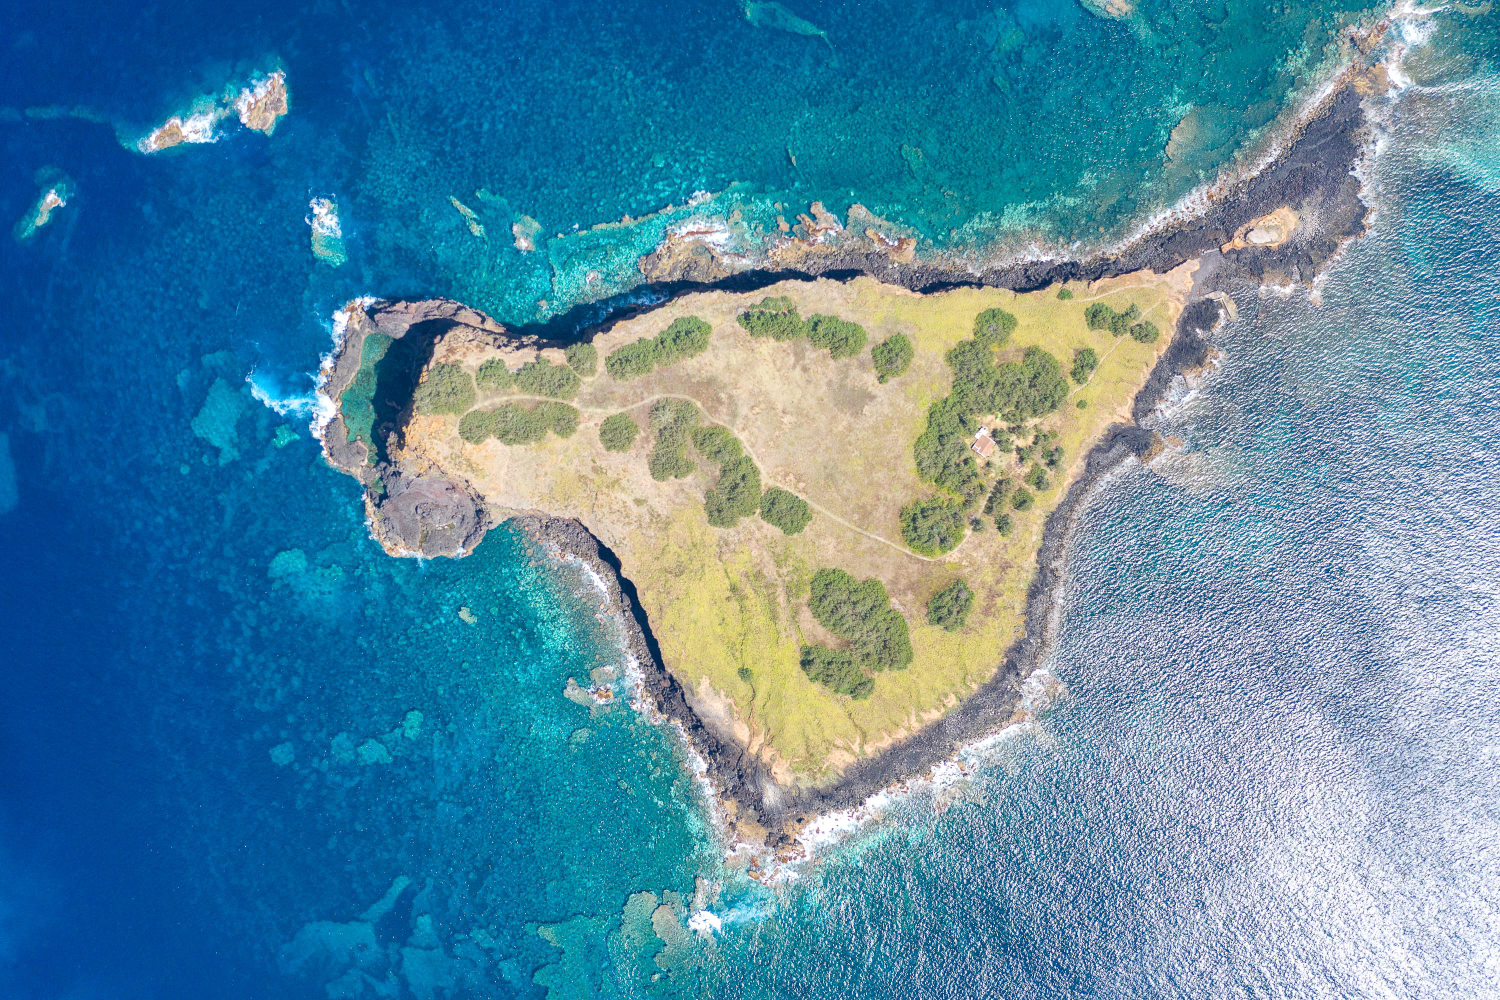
<point>993,327</point>
<point>949,608</point>
<point>1085,361</point>
<point>673,421</point>
<point>513,424</point>
<point>687,337</point>
<point>841,338</point>
<point>618,432</point>
<point>933,525</point>
<point>860,613</point>
<point>835,669</point>
<point>737,493</point>
<point>445,389</point>
<point>785,510</point>
<point>540,377</point>
<point>583,359</point>
<point>892,357</point>
<point>1017,390</point>
<point>495,377</point>
<point>776,318</point>
<point>1101,317</point>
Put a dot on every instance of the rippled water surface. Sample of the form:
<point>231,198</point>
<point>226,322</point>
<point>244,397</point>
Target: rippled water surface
<point>245,754</point>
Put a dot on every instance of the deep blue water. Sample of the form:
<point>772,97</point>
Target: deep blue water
<point>1274,775</point>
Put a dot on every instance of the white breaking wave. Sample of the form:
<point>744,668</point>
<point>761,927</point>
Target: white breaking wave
<point>307,404</point>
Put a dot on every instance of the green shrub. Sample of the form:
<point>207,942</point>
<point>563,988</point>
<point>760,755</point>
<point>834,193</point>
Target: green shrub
<point>1120,323</point>
<point>949,608</point>
<point>976,524</point>
<point>942,450</point>
<point>494,376</point>
<point>892,357</point>
<point>933,526</point>
<point>560,417</point>
<point>1022,499</point>
<point>1018,390</point>
<point>1085,361</point>
<point>746,674</point>
<point>673,420</point>
<point>445,389</point>
<point>784,510</point>
<point>717,444</point>
<point>1065,294</point>
<point>839,337</point>
<point>1037,479</point>
<point>1083,404</point>
<point>477,426</point>
<point>583,359</point>
<point>1004,524</point>
<point>735,495</point>
<point>776,318</point>
<point>687,337</point>
<point>861,613</point>
<point>669,463</point>
<point>513,424</point>
<point>996,499</point>
<point>541,377</point>
<point>1145,332</point>
<point>618,432</point>
<point>1054,457</point>
<point>993,327</point>
<point>681,414</point>
<point>632,360</point>
<point>835,669</point>
<point>1101,317</point>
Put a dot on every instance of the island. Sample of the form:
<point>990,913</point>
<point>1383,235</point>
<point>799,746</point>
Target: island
<point>828,491</point>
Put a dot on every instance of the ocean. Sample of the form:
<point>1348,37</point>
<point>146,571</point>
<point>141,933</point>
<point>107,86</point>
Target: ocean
<point>246,754</point>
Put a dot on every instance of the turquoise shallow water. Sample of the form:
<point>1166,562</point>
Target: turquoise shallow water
<point>1272,774</point>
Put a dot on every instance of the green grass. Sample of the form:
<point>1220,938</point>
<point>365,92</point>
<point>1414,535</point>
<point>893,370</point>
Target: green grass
<point>355,403</point>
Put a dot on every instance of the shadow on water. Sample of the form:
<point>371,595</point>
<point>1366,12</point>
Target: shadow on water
<point>396,377</point>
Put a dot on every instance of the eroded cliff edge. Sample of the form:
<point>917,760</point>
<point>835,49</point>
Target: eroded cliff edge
<point>1281,225</point>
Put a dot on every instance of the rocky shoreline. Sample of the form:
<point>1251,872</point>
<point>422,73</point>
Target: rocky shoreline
<point>417,511</point>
